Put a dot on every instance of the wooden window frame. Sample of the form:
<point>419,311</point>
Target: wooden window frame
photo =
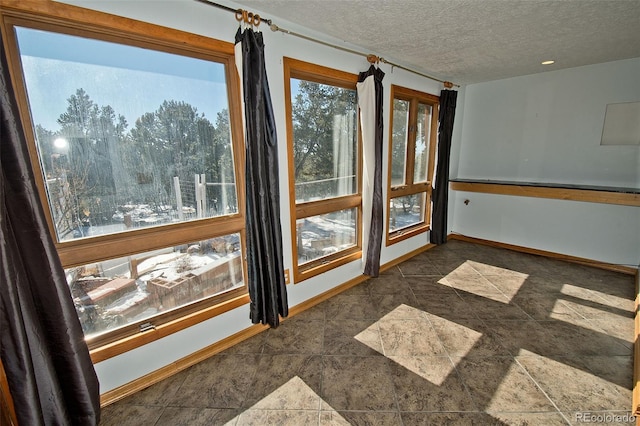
<point>414,98</point>
<point>72,20</point>
<point>301,70</point>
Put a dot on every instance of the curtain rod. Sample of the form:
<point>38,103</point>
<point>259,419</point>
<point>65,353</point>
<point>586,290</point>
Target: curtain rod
<point>255,19</point>
<point>241,14</point>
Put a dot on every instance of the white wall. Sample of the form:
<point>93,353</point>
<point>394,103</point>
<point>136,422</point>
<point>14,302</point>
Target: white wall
<point>547,128</point>
<point>602,232</point>
<point>212,22</point>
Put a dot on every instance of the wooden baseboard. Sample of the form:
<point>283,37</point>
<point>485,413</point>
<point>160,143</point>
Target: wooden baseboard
<point>156,376</point>
<point>629,270</point>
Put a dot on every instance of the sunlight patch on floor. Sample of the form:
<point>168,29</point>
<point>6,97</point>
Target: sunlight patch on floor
<point>470,277</point>
<point>570,379</point>
<point>294,398</point>
<point>435,370</point>
<point>612,300</point>
<point>416,352</point>
<point>294,395</point>
<point>463,339</point>
<point>517,390</point>
<point>578,292</point>
<point>592,313</point>
<point>597,297</point>
<point>486,269</point>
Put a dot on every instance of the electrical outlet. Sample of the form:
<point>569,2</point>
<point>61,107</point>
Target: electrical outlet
<point>286,277</point>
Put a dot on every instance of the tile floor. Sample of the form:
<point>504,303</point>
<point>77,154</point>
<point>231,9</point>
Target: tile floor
<point>461,334</point>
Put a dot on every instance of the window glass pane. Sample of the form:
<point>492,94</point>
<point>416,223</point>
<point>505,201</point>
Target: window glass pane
<point>399,141</point>
<point>325,140</point>
<point>322,235</point>
<point>422,143</point>
<point>127,137</point>
<point>406,211</point>
<point>114,293</point>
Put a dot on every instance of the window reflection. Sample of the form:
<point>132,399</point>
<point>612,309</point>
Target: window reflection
<point>325,140</point>
<point>127,137</point>
<point>406,212</point>
<point>423,136</point>
<point>114,293</point>
<point>323,235</point>
<point>399,141</point>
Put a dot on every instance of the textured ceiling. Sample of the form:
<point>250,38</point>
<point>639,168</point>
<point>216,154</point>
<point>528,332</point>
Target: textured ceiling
<point>470,41</point>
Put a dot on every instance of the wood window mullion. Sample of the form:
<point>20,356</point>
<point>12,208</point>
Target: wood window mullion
<point>411,143</point>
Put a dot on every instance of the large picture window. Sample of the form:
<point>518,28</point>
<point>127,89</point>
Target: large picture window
<point>324,161</point>
<point>411,161</point>
<point>127,137</point>
<point>134,143</point>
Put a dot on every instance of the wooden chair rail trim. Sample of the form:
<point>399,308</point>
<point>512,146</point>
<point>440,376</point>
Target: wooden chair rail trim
<point>587,195</point>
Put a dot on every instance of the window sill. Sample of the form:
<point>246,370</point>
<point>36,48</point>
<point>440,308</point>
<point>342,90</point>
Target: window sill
<point>121,346</point>
<point>401,235</point>
<point>318,267</point>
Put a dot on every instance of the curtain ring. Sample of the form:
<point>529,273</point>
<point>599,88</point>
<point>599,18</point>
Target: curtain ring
<point>247,17</point>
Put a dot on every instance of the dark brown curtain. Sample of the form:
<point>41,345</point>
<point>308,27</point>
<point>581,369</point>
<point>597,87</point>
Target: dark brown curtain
<point>441,190</point>
<point>370,94</point>
<point>267,288</point>
<point>51,378</point>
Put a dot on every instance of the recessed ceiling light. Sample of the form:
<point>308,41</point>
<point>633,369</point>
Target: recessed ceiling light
<point>548,62</point>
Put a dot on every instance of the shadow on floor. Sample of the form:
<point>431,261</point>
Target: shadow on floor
<point>460,334</point>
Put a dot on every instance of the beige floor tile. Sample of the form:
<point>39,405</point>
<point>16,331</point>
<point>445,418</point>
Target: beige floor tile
<point>461,334</point>
<point>352,337</point>
<point>277,417</point>
<point>359,418</point>
<point>295,336</point>
<point>289,382</point>
<point>409,338</point>
<point>129,415</point>
<point>500,384</point>
<point>467,338</point>
<point>424,383</point>
<point>573,387</point>
<point>357,383</point>
<point>221,381</point>
<point>181,416</point>
<point>418,266</point>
